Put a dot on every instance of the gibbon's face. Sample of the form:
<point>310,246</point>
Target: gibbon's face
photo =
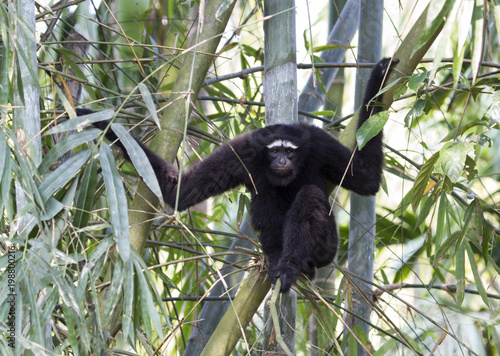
<point>282,158</point>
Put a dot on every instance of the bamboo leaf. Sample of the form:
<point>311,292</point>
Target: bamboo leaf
<point>65,145</point>
<point>115,289</point>
<point>441,8</point>
<point>478,222</point>
<point>452,159</point>
<point>445,38</point>
<point>417,79</point>
<point>475,272</point>
<point>306,40</point>
<point>352,347</point>
<point>157,297</point>
<point>428,204</point>
<point>85,197</point>
<point>371,128</point>
<point>62,175</point>
<point>117,202</point>
<point>417,346</point>
<point>5,187</point>
<point>423,177</point>
<point>467,221</point>
<point>148,100</point>
<point>22,168</point>
<point>441,220</point>
<point>445,247</point>
<point>486,243</point>
<point>67,103</point>
<point>477,38</point>
<point>128,303</point>
<point>4,153</point>
<point>27,65</point>
<point>138,158</point>
<point>385,348</point>
<point>329,47</point>
<point>460,32</point>
<point>72,325</point>
<point>5,54</point>
<point>5,177</point>
<point>81,122</point>
<point>151,316</point>
<point>100,249</point>
<point>416,111</point>
<point>460,274</point>
<point>496,14</point>
<point>52,207</point>
<point>68,56</point>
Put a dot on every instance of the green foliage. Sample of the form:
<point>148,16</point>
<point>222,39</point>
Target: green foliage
<point>371,128</point>
<point>451,161</point>
<point>422,180</point>
<point>117,202</point>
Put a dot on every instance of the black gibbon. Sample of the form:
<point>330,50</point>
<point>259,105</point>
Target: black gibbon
<point>287,169</point>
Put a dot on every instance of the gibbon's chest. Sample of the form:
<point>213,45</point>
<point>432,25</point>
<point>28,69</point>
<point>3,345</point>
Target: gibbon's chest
<point>270,205</point>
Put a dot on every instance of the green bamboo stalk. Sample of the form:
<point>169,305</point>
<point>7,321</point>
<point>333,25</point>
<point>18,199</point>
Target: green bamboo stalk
<point>362,213</point>
<point>249,298</point>
<point>275,316</point>
<point>280,90</point>
<point>325,276</point>
<point>280,62</point>
<point>212,312</point>
<point>189,81</point>
<point>281,107</point>
<point>312,97</point>
<point>416,43</point>
<point>167,141</point>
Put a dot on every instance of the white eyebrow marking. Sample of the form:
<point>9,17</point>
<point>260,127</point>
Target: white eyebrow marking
<point>282,143</point>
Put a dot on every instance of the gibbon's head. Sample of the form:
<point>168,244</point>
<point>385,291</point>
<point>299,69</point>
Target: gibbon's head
<point>283,149</point>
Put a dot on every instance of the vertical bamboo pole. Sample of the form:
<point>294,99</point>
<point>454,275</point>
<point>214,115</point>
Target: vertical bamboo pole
<point>362,224</point>
<point>280,96</point>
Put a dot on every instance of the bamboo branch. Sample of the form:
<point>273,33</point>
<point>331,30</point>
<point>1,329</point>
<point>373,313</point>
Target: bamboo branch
<point>251,294</point>
<point>275,318</point>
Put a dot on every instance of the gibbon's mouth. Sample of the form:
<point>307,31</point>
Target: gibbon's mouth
<point>282,171</point>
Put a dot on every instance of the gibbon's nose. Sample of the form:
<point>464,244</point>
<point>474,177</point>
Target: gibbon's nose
<point>282,161</point>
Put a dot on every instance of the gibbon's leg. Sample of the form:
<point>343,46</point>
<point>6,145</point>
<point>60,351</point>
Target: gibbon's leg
<point>309,237</point>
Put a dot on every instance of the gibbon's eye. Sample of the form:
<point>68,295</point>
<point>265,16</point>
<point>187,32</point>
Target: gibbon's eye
<point>274,150</point>
<point>289,151</point>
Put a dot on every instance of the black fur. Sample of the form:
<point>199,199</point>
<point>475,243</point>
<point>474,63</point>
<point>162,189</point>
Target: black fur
<point>289,206</point>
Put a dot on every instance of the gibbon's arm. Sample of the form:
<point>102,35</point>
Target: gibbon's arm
<point>221,171</point>
<point>364,174</point>
<point>225,169</point>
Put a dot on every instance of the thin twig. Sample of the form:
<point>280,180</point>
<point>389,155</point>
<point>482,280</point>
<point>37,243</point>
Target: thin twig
<point>274,315</point>
<point>450,288</point>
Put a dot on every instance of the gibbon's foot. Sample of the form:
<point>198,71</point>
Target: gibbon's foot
<point>287,273</point>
